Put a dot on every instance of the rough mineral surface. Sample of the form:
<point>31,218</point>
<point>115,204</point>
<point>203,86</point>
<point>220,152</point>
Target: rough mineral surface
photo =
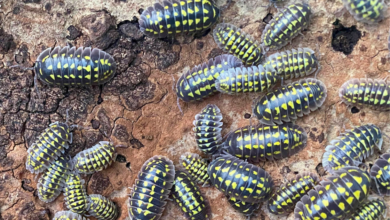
<point>138,107</point>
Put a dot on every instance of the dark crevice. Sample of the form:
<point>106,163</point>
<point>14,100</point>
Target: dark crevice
<point>344,38</point>
<point>354,110</point>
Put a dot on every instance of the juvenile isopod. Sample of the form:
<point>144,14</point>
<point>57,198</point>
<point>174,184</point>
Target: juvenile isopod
<point>264,142</point>
<point>290,101</point>
<point>207,129</point>
<point>235,41</point>
<point>286,25</point>
<point>351,148</point>
<point>366,92</point>
<point>199,82</point>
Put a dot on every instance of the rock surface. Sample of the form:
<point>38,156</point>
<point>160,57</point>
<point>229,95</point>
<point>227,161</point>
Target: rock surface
<point>138,107</point>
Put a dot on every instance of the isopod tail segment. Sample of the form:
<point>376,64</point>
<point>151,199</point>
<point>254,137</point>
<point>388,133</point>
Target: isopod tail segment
<point>177,98</point>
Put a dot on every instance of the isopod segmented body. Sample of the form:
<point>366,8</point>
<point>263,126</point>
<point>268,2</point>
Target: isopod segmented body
<point>264,142</point>
<point>188,196</point>
<point>366,11</point>
<point>245,208</point>
<point>151,189</point>
<point>51,183</point>
<point>102,208</point>
<point>233,40</point>
<point>286,25</point>
<point>283,201</point>
<point>68,215</point>
<point>174,17</point>
<point>196,167</point>
<point>95,158</point>
<point>207,129</point>
<point>366,92</point>
<point>50,144</point>
<point>351,148</point>
<point>75,67</point>
<point>246,79</point>
<point>237,178</point>
<point>335,197</point>
<point>199,82</point>
<point>374,210</point>
<point>76,198</point>
<point>380,175</point>
<point>290,101</point>
<point>295,63</point>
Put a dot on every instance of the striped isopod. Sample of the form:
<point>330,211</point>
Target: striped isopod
<point>196,166</point>
<point>290,101</point>
<point>264,142</point>
<point>95,159</point>
<point>48,147</point>
<point>207,129</point>
<point>51,183</point>
<point>187,195</point>
<point>70,67</point>
<point>235,41</point>
<point>368,12</point>
<point>151,189</point>
<point>286,25</point>
<point>76,198</point>
<point>199,82</point>
<point>295,63</point>
<point>245,208</point>
<point>373,210</point>
<point>174,17</point>
<point>283,201</point>
<point>237,178</point>
<point>68,215</point>
<point>246,79</point>
<point>102,208</point>
<point>380,175</point>
<point>335,197</point>
<point>366,92</point>
<point>351,148</point>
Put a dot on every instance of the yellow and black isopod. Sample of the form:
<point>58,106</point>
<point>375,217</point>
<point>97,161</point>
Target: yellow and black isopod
<point>233,40</point>
<point>237,178</point>
<point>52,182</point>
<point>380,177</point>
<point>295,63</point>
<point>199,82</point>
<point>48,147</point>
<point>336,197</point>
<point>286,25</point>
<point>208,126</point>
<point>264,142</point>
<point>102,208</point>
<point>374,210</point>
<point>196,166</point>
<point>283,201</point>
<point>352,147</point>
<point>187,195</point>
<point>95,158</point>
<point>74,67</point>
<point>366,92</point>
<point>368,12</point>
<point>173,17</point>
<point>247,79</point>
<point>290,101</point>
<point>68,215</point>
<point>152,188</point>
<point>245,208</point>
<point>76,197</point>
